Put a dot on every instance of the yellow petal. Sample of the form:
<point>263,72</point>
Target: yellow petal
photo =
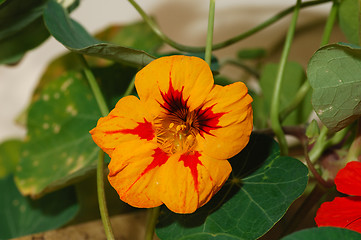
<point>231,121</point>
<point>129,120</point>
<point>188,181</point>
<point>132,173</point>
<point>182,80</point>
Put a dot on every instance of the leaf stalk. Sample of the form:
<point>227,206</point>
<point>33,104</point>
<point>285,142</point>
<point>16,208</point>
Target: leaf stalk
<point>275,105</point>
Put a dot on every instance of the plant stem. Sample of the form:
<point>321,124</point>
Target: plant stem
<point>323,143</point>
<point>208,51</point>
<point>311,167</point>
<point>100,167</point>
<point>330,23</point>
<point>95,88</point>
<point>320,145</point>
<point>275,121</point>
<point>223,44</point>
<point>153,214</point>
<point>302,92</point>
<point>101,198</point>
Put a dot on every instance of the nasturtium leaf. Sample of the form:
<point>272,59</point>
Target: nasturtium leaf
<point>326,233</point>
<point>334,72</point>
<point>58,148</point>
<point>294,76</point>
<point>22,27</point>
<point>261,187</point>
<point>137,35</point>
<point>73,36</point>
<point>348,17</point>
<point>9,156</point>
<point>23,216</point>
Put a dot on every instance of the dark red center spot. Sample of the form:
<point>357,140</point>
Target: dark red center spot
<point>203,119</point>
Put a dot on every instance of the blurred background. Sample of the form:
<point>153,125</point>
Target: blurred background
<point>184,21</point>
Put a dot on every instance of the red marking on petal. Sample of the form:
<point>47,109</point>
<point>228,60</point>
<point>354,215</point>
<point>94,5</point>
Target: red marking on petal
<point>159,158</point>
<point>143,130</point>
<point>191,161</point>
<point>208,120</point>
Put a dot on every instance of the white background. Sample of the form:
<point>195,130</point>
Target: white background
<point>185,21</point>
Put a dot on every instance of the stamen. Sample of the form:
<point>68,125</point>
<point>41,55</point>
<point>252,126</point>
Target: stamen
<point>180,128</point>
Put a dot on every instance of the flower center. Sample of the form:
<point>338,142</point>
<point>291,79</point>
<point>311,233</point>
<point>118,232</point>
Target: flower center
<point>175,134</point>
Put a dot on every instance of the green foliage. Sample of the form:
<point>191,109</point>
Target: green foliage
<point>9,156</point>
<point>349,20</point>
<point>58,147</point>
<point>73,36</point>
<point>261,188</point>
<point>22,28</point>
<point>294,77</point>
<point>334,73</point>
<point>329,233</point>
<point>138,36</point>
<point>22,216</point>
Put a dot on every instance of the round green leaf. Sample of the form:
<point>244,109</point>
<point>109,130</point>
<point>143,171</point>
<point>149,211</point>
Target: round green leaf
<point>22,216</point>
<point>58,147</point>
<point>329,233</point>
<point>261,188</point>
<point>334,72</point>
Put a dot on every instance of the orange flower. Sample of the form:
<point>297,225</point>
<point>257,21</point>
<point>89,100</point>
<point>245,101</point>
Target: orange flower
<point>171,146</point>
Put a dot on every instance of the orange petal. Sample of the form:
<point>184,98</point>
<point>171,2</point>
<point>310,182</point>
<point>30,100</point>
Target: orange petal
<point>348,179</point>
<point>129,120</point>
<point>179,79</point>
<point>342,212</point>
<point>188,181</point>
<point>230,122</point>
<point>132,173</point>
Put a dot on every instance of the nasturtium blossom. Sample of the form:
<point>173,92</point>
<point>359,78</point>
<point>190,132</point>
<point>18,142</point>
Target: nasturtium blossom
<point>172,144</point>
<point>344,212</point>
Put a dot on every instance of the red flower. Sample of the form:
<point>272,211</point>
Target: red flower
<point>344,212</point>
